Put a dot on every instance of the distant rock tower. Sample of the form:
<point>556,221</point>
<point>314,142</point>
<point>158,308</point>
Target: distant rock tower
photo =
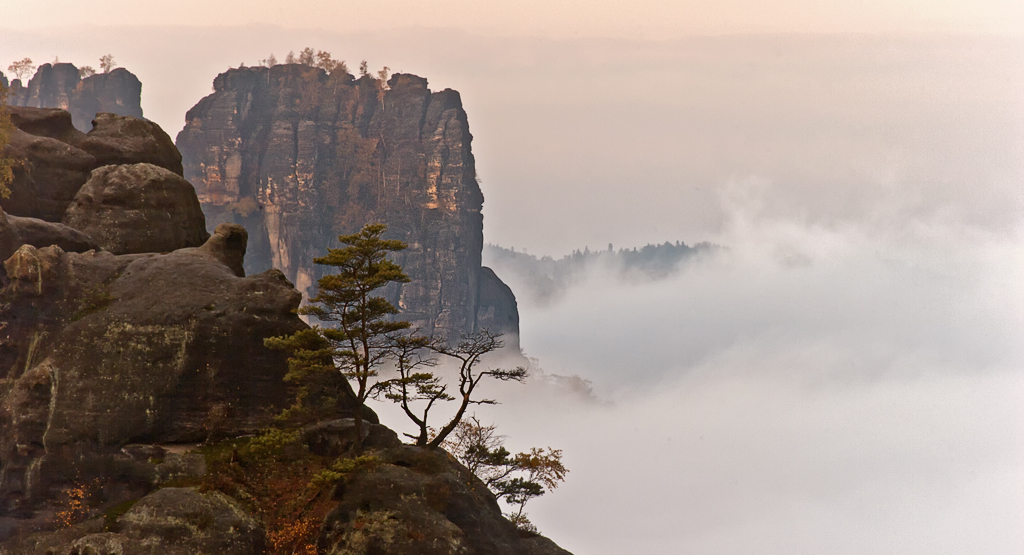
<point>59,86</point>
<point>299,157</point>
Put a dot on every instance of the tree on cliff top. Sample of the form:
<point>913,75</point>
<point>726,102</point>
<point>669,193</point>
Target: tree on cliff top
<point>22,68</point>
<point>363,335</point>
<point>107,63</point>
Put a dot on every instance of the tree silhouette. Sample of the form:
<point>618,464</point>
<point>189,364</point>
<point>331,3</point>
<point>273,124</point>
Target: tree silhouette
<point>107,63</point>
<point>325,62</point>
<point>469,351</point>
<point>22,68</point>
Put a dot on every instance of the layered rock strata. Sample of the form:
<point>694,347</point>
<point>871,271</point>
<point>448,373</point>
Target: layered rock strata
<point>299,157</point>
<point>59,86</point>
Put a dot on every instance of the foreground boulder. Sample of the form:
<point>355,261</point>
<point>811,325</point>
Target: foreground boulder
<point>55,159</point>
<point>392,500</point>
<point>170,521</point>
<point>47,176</point>
<point>103,350</point>
<point>118,139</point>
<point>135,208</point>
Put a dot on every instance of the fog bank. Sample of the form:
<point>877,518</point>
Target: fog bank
<point>809,389</point>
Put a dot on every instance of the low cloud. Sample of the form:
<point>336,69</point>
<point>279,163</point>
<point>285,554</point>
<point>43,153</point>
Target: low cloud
<point>852,388</point>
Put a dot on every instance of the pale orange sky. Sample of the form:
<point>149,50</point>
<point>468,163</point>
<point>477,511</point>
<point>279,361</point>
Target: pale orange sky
<point>564,18</point>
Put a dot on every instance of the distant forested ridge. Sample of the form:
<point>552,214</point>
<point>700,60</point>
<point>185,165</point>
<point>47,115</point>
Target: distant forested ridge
<point>542,280</point>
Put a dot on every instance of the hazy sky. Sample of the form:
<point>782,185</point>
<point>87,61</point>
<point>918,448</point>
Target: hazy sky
<point>556,19</point>
<point>845,377</point>
<point>585,142</point>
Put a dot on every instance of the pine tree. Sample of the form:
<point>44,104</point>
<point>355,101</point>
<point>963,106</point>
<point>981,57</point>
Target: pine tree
<point>361,335</point>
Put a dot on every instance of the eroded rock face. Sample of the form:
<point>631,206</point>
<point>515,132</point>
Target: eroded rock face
<point>55,159</point>
<point>135,208</point>
<point>47,178</point>
<point>116,139</point>
<point>40,233</point>
<point>170,521</point>
<point>59,86</point>
<point>299,157</point>
<point>102,350</point>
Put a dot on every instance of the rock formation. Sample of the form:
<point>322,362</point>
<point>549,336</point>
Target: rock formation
<point>99,349</point>
<point>298,157</point>
<point>59,86</point>
<point>40,233</point>
<point>129,383</point>
<point>133,208</point>
<point>55,160</point>
<point>170,521</point>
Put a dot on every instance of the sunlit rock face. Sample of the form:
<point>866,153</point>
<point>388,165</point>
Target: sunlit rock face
<point>59,86</point>
<point>299,157</point>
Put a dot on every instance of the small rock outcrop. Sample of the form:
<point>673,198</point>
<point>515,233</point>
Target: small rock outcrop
<point>422,502</point>
<point>116,139</point>
<point>299,157</point>
<point>40,233</point>
<point>170,521</point>
<point>228,245</point>
<point>59,86</point>
<point>54,159</point>
<point>496,305</point>
<point>135,208</point>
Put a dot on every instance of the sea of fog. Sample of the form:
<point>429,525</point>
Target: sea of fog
<point>806,389</point>
<point>842,390</point>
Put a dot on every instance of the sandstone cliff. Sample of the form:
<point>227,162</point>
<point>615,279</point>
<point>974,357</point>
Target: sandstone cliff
<point>132,385</point>
<point>299,156</point>
<point>59,86</point>
<point>98,349</point>
<point>54,159</point>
